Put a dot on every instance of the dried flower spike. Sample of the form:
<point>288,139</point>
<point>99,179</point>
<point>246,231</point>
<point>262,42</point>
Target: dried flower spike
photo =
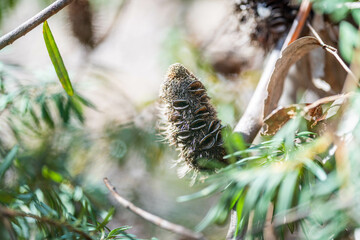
<point>269,19</point>
<point>191,121</point>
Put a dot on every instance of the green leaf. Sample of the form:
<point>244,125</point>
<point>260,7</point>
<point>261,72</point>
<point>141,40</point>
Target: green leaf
<point>356,15</point>
<point>315,169</point>
<point>203,193</point>
<point>241,221</point>
<point>10,157</point>
<point>45,113</point>
<point>291,227</point>
<point>57,59</point>
<point>286,192</point>
<point>106,219</point>
<point>117,231</point>
<point>34,116</point>
<point>349,38</point>
<point>76,106</point>
<point>254,192</point>
<point>49,174</point>
<point>86,101</point>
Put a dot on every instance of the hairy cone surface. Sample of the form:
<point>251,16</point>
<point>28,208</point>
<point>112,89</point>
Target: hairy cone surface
<point>191,121</point>
<point>272,18</point>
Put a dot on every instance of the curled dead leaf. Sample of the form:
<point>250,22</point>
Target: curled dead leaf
<point>313,113</point>
<point>290,55</point>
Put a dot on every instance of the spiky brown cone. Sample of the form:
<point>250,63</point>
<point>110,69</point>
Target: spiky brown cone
<point>191,121</point>
<point>270,19</point>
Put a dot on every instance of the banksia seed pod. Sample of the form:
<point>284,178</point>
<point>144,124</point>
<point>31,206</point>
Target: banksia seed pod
<point>272,18</point>
<point>191,121</point>
<point>81,19</point>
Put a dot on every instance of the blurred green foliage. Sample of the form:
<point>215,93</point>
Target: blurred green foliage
<point>36,160</point>
<point>125,140</point>
<point>5,7</point>
<point>348,19</point>
<point>310,183</point>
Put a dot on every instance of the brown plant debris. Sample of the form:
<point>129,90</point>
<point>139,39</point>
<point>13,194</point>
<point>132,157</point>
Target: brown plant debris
<point>81,19</point>
<point>191,123</point>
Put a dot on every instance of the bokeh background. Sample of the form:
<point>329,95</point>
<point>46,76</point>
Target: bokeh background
<point>117,135</point>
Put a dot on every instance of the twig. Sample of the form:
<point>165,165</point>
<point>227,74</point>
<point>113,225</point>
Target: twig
<point>326,100</point>
<point>333,51</point>
<point>252,119</point>
<point>298,23</point>
<point>152,218</point>
<point>6,212</point>
<point>33,22</point>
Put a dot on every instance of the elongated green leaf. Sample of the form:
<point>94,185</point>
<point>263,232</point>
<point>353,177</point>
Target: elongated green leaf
<point>253,193</point>
<point>241,221</point>
<point>286,192</point>
<point>56,59</point>
<point>203,193</point>
<point>315,169</point>
<point>117,231</point>
<point>10,157</point>
<point>349,38</point>
<point>45,113</point>
<point>76,106</point>
<point>106,219</point>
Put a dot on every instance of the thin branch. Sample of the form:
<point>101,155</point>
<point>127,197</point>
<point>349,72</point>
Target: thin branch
<point>33,22</point>
<point>333,51</point>
<point>152,218</point>
<point>326,100</point>
<point>298,23</point>
<point>6,212</point>
<point>252,119</point>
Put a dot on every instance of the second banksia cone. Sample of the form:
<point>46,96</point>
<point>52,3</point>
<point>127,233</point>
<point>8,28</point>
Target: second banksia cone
<point>191,121</point>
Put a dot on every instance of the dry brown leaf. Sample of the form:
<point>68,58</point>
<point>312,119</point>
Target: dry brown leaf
<point>290,55</point>
<point>313,113</point>
<point>278,118</point>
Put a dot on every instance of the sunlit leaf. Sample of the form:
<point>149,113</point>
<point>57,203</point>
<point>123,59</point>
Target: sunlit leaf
<point>57,59</point>
<point>203,193</point>
<point>315,169</point>
<point>55,176</point>
<point>117,231</point>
